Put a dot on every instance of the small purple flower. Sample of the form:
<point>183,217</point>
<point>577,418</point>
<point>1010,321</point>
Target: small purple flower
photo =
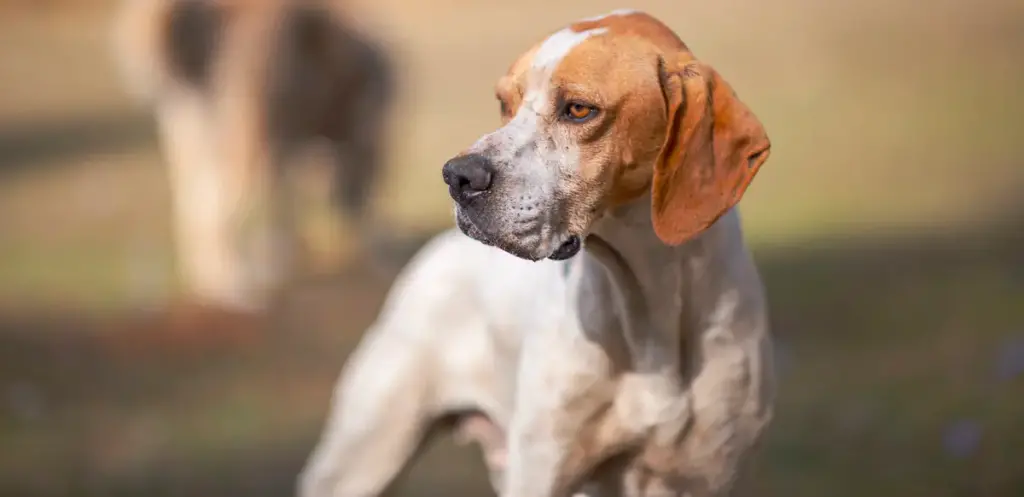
<point>962,438</point>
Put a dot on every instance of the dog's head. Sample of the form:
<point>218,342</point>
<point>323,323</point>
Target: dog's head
<point>597,115</point>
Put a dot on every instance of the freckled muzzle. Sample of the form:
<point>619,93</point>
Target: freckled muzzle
<point>496,210</point>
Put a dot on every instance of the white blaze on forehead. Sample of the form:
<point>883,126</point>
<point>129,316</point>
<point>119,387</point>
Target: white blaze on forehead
<point>521,133</point>
<point>558,45</point>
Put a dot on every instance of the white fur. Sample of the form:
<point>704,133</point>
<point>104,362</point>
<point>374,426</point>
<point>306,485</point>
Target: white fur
<point>470,327</point>
<point>558,45</point>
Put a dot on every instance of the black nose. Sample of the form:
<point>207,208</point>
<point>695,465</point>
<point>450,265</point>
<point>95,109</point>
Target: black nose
<point>467,176</point>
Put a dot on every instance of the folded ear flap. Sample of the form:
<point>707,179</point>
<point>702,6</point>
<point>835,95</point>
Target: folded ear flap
<point>713,148</point>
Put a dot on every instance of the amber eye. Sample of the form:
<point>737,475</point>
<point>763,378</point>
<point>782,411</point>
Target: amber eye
<point>578,112</point>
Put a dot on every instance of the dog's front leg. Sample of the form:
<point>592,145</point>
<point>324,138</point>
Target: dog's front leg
<point>564,422</point>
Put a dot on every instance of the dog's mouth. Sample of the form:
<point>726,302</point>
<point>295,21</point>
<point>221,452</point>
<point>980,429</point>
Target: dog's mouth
<point>566,250</point>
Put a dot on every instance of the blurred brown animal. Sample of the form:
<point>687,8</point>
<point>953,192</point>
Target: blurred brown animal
<point>238,87</point>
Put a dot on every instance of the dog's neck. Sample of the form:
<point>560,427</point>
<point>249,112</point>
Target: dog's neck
<point>655,284</point>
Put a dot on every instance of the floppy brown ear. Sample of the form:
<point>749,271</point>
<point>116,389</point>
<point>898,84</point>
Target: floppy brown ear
<point>713,148</point>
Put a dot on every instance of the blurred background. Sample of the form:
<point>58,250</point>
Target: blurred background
<point>888,226</point>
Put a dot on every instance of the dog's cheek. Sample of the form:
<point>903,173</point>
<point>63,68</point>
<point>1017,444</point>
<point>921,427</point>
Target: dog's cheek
<point>576,204</point>
<point>584,214</point>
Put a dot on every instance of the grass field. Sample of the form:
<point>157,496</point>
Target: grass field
<point>888,225</point>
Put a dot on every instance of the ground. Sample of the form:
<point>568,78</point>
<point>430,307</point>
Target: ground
<point>888,226</point>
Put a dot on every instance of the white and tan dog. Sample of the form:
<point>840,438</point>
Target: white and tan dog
<point>237,88</point>
<point>636,362</point>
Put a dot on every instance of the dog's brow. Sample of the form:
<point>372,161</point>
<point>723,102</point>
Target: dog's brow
<point>535,101</point>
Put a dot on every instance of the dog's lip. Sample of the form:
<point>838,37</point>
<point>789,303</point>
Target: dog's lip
<point>567,249</point>
<point>471,229</point>
<point>467,197</point>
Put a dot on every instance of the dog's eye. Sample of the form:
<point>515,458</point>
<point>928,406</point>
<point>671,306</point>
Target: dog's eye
<point>503,107</point>
<point>577,112</point>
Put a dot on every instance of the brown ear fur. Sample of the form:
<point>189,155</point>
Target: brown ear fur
<point>713,148</point>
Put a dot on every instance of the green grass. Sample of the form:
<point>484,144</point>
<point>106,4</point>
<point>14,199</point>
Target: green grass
<point>888,349</point>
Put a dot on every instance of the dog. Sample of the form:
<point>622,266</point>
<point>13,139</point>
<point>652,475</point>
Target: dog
<point>238,87</point>
<point>595,321</point>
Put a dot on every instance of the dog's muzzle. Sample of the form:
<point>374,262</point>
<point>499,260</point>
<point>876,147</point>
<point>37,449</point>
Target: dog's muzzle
<point>471,179</point>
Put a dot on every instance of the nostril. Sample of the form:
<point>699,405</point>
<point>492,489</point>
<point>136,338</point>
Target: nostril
<point>467,175</point>
<point>478,180</point>
<point>462,183</point>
